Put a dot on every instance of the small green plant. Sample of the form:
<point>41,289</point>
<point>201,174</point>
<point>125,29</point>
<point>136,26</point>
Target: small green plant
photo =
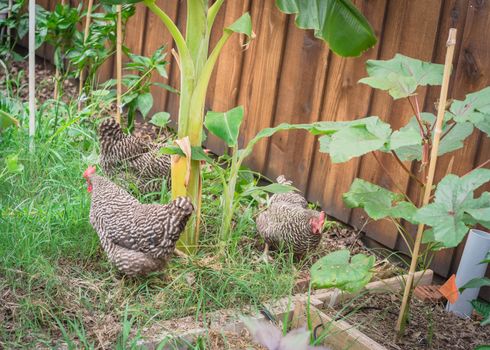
<point>89,55</point>
<point>137,95</point>
<point>339,270</point>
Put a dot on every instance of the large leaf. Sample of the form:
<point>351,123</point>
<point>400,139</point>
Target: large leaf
<point>144,103</point>
<point>378,202</point>
<point>407,141</point>
<point>339,270</point>
<point>401,75</point>
<point>474,109</point>
<point>476,283</point>
<point>225,125</point>
<point>454,200</point>
<point>338,22</point>
<point>346,140</point>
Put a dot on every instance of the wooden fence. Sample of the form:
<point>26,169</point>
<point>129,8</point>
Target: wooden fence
<point>286,75</point>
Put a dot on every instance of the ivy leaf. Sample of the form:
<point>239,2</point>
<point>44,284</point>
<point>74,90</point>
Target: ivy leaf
<point>407,141</point>
<point>453,201</point>
<point>225,125</point>
<point>401,75</point>
<point>144,103</point>
<point>474,109</point>
<point>378,202</point>
<point>337,22</point>
<point>160,119</point>
<point>339,270</point>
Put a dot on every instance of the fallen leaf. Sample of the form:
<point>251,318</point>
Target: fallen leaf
<point>450,290</point>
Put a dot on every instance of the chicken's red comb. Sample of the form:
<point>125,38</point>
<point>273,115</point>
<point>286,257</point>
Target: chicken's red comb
<point>90,171</point>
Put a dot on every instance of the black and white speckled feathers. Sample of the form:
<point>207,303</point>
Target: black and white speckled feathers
<point>138,238</point>
<point>126,154</point>
<point>286,223</point>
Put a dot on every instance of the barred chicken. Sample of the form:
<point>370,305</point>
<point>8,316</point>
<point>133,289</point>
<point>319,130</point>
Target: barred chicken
<point>137,238</point>
<point>126,154</point>
<point>288,223</point>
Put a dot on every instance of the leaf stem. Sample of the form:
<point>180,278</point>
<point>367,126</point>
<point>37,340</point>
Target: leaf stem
<point>389,175</point>
<point>416,111</point>
<point>448,130</point>
<point>478,167</point>
<point>404,167</point>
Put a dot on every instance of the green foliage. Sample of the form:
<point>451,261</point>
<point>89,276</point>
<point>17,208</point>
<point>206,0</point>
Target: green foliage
<point>225,125</point>
<point>407,142</point>
<point>455,208</point>
<point>370,134</point>
<point>338,22</point>
<point>378,202</point>
<point>100,43</point>
<point>474,109</point>
<point>401,75</point>
<point>10,111</point>
<point>340,270</point>
<point>160,119</point>
<point>483,308</point>
<point>476,283</point>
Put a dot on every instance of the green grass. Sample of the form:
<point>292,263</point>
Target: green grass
<point>56,285</point>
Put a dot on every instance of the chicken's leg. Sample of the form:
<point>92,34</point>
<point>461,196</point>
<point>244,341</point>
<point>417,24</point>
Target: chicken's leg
<point>265,254</point>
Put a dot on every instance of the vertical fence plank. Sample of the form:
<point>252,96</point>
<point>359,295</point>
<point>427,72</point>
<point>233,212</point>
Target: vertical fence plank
<point>344,99</point>
<point>260,75</point>
<point>298,101</point>
<point>223,88</point>
<point>156,36</point>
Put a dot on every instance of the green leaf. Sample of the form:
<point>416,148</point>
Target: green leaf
<point>160,119</point>
<point>475,283</point>
<point>401,75</point>
<point>474,109</point>
<point>453,201</point>
<point>12,164</point>
<point>144,103</point>
<point>487,259</point>
<point>483,308</point>
<point>225,125</point>
<point>378,202</point>
<point>407,141</point>
<point>242,25</point>
<point>338,22</point>
<point>272,188</point>
<point>120,2</point>
<point>339,270</point>
<point>197,152</point>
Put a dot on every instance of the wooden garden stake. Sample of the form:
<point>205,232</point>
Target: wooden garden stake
<point>451,42</point>
<point>57,72</point>
<point>119,63</point>
<point>85,36</point>
<point>32,73</point>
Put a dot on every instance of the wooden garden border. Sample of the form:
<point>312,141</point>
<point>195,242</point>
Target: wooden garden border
<point>342,334</point>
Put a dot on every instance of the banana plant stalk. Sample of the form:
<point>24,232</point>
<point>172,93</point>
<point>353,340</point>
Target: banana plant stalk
<point>196,66</point>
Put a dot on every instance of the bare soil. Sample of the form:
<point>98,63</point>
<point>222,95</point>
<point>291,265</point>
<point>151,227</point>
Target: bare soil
<point>429,326</point>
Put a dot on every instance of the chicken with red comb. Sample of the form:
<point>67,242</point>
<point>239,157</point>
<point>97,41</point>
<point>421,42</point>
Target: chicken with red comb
<point>288,223</point>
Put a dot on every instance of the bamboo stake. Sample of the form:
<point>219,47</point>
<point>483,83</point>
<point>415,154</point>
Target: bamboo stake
<point>119,63</point>
<point>451,42</point>
<point>85,36</point>
<point>57,72</point>
<point>32,73</point>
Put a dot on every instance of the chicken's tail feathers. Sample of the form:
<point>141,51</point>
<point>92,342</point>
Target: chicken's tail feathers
<point>184,204</point>
<point>281,179</point>
<point>110,128</point>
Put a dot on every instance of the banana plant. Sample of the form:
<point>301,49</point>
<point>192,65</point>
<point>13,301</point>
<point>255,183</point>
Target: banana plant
<point>196,65</point>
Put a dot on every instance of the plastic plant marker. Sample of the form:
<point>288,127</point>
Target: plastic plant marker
<point>450,290</point>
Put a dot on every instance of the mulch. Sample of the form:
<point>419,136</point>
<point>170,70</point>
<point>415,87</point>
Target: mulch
<point>429,326</point>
